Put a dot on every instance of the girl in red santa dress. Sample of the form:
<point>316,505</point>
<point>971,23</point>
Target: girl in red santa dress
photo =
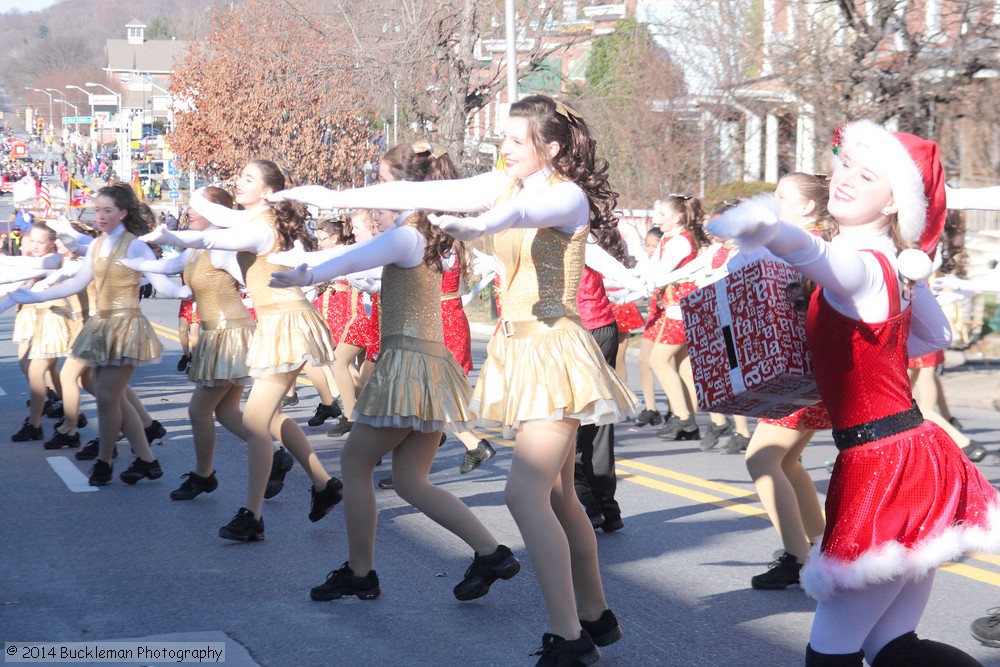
<point>903,498</point>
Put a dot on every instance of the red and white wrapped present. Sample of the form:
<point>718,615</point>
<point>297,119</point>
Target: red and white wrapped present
<point>747,343</point>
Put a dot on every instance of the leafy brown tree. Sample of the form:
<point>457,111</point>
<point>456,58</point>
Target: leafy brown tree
<point>253,89</point>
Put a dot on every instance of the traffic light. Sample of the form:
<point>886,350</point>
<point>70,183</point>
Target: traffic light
<point>40,124</point>
<point>94,126</point>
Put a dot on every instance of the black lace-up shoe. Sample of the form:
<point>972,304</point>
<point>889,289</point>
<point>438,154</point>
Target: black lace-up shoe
<point>781,574</point>
<point>342,427</point>
<point>559,652</point>
<point>713,433</point>
<point>81,421</point>
<point>290,401</point>
<point>244,527</point>
<point>647,417</point>
<point>155,431</point>
<point>100,473</point>
<point>325,500</point>
<point>987,628</point>
<point>473,459</point>
<point>184,363</point>
<point>324,412</point>
<point>60,440</point>
<point>342,582</point>
<point>140,470</point>
<point>737,444</point>
<point>605,630</point>
<point>501,564</point>
<point>194,485</point>
<point>679,429</point>
<point>90,451</point>
<point>27,433</point>
<point>280,465</point>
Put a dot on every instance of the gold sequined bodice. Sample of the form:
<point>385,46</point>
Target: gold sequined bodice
<point>411,302</point>
<point>217,292</point>
<point>258,275</point>
<point>117,286</point>
<point>541,270</point>
<point>61,306</point>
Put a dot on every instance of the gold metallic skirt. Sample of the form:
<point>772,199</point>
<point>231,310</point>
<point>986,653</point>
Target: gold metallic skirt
<point>24,324</point>
<point>548,369</point>
<point>288,336</point>
<point>117,338</point>
<point>220,356</point>
<point>53,331</point>
<point>416,384</point>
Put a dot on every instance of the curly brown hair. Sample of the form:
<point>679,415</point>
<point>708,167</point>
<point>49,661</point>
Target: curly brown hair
<point>138,219</point>
<point>408,164</point>
<point>291,218</point>
<point>577,161</point>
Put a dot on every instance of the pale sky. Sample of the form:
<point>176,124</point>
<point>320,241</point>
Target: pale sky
<point>25,5</point>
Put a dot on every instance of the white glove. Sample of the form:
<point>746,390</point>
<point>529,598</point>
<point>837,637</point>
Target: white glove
<point>463,229</point>
<point>300,276</point>
<point>136,264</point>
<point>161,236</point>
<point>25,295</point>
<point>294,256</point>
<point>311,195</point>
<point>483,264</point>
<point>752,224</point>
<point>184,292</point>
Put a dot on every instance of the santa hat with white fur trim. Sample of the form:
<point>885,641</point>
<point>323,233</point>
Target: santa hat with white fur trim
<point>917,180</point>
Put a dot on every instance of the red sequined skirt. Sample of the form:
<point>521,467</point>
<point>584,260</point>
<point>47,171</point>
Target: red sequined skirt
<point>374,344</point>
<point>898,508</point>
<point>457,335</point>
<point>932,360</point>
<point>187,312</point>
<point>810,418</point>
<point>628,317</point>
<point>665,330</point>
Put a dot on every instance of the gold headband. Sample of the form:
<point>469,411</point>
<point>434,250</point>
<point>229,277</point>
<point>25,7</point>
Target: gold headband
<point>566,111</point>
<point>435,149</point>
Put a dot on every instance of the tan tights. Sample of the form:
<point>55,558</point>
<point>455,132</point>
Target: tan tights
<point>785,488</point>
<point>262,417</point>
<point>557,533</point>
<point>37,368</point>
<point>115,413</point>
<point>672,367</point>
<point>224,403</point>
<point>73,371</point>
<point>412,455</point>
<point>345,375</point>
<point>620,364</point>
<point>323,379</point>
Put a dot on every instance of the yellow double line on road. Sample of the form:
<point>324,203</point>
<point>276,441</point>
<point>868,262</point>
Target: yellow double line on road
<point>706,492</point>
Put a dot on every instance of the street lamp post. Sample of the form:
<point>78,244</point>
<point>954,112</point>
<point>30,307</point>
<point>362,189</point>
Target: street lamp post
<point>52,127</point>
<point>90,101</point>
<point>65,102</point>
<point>124,157</point>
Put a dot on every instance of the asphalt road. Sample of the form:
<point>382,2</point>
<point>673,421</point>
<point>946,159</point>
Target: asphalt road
<point>127,562</point>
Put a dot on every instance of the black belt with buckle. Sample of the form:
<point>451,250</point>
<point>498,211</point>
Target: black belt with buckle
<point>862,434</point>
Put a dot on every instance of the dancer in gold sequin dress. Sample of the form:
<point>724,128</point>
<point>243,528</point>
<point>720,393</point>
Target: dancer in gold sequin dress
<point>119,337</point>
<point>289,333</point>
<point>218,365</point>
<point>47,338</point>
<point>416,390</point>
<point>544,374</point>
